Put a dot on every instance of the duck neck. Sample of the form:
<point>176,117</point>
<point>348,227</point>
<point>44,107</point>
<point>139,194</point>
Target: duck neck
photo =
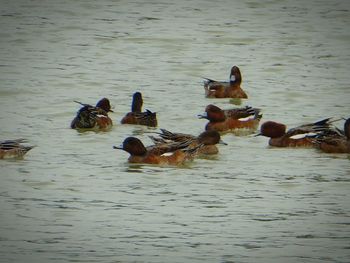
<point>137,102</point>
<point>235,79</point>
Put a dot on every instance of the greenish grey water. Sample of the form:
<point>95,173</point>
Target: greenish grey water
<point>75,199</point>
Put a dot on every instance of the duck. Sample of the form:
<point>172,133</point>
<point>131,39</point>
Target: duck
<point>335,140</point>
<point>241,121</point>
<point>300,136</point>
<point>155,154</point>
<point>226,89</point>
<point>93,117</point>
<point>136,116</point>
<point>207,140</point>
<point>13,148</point>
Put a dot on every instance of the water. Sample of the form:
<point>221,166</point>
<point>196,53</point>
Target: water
<point>75,199</point>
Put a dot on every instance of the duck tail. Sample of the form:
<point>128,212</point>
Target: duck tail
<point>82,104</point>
<point>322,122</point>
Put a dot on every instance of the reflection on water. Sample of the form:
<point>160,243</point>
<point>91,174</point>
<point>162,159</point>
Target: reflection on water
<point>75,198</point>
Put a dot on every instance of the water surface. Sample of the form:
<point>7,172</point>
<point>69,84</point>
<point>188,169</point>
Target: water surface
<point>75,199</point>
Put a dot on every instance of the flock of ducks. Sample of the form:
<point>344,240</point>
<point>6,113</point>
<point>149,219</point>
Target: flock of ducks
<point>171,148</point>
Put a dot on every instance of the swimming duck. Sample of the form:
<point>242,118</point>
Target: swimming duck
<point>300,136</point>
<point>335,140</point>
<point>93,117</point>
<point>136,116</point>
<point>13,148</point>
<point>226,89</point>
<point>207,140</point>
<point>155,154</point>
<point>240,121</point>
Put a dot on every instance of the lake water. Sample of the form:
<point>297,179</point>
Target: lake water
<point>75,199</point>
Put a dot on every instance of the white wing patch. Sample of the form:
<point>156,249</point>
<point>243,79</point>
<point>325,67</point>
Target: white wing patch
<point>167,154</point>
<point>303,135</point>
<point>251,117</point>
<point>101,116</point>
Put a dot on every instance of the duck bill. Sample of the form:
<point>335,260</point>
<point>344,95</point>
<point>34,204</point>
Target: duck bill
<point>222,142</point>
<point>203,116</point>
<point>118,147</point>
